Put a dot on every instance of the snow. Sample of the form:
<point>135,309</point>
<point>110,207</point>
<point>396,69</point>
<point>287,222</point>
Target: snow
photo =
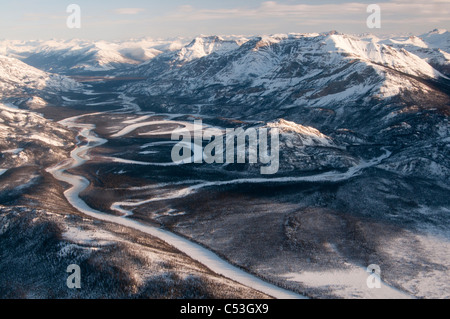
<point>104,55</point>
<point>351,283</point>
<point>88,237</point>
<point>92,55</point>
<point>136,120</point>
<point>131,162</point>
<point>432,47</point>
<point>15,74</point>
<point>3,171</point>
<point>203,46</point>
<point>438,38</point>
<point>271,65</point>
<point>148,152</point>
<point>181,126</point>
<point>67,99</point>
<point>14,151</point>
<point>101,103</point>
<point>46,140</point>
<point>128,103</point>
<point>428,283</point>
<point>329,177</point>
<point>382,54</point>
<point>35,102</point>
<point>400,53</point>
<point>9,107</point>
<point>15,120</point>
<point>195,251</point>
<point>310,135</point>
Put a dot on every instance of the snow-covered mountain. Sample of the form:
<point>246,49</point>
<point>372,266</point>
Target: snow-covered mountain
<point>311,78</point>
<point>355,89</point>
<point>364,161</point>
<point>80,56</point>
<point>19,79</point>
<point>205,46</point>
<point>27,138</point>
<point>433,47</point>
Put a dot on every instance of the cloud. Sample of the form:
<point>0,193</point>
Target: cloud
<point>309,12</point>
<point>129,11</point>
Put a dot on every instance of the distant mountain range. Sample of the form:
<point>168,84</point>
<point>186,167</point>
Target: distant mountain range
<point>271,76</point>
<point>79,56</point>
<point>355,89</point>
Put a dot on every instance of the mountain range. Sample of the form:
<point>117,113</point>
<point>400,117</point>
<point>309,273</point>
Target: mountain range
<point>364,151</point>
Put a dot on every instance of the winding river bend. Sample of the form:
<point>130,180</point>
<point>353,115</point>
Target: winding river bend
<point>80,155</point>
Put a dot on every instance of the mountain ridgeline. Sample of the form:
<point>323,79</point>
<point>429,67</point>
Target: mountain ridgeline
<point>358,90</point>
<point>363,176</point>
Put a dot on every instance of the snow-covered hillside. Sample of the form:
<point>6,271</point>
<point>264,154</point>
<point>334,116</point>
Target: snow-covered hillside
<point>205,46</point>
<point>364,163</point>
<point>354,89</point>
<point>268,76</point>
<point>27,138</point>
<point>81,56</point>
<point>18,78</point>
<point>433,47</point>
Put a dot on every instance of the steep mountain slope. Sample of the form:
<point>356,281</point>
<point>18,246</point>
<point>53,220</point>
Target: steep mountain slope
<point>433,47</point>
<point>29,139</point>
<point>310,78</point>
<point>351,88</point>
<point>28,144</point>
<point>204,46</point>
<point>19,79</point>
<point>364,163</point>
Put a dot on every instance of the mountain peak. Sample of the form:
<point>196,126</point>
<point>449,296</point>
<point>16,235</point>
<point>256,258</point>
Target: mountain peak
<point>438,31</point>
<point>332,32</point>
<point>205,45</point>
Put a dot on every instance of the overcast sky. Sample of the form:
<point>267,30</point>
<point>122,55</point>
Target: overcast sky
<point>116,20</point>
